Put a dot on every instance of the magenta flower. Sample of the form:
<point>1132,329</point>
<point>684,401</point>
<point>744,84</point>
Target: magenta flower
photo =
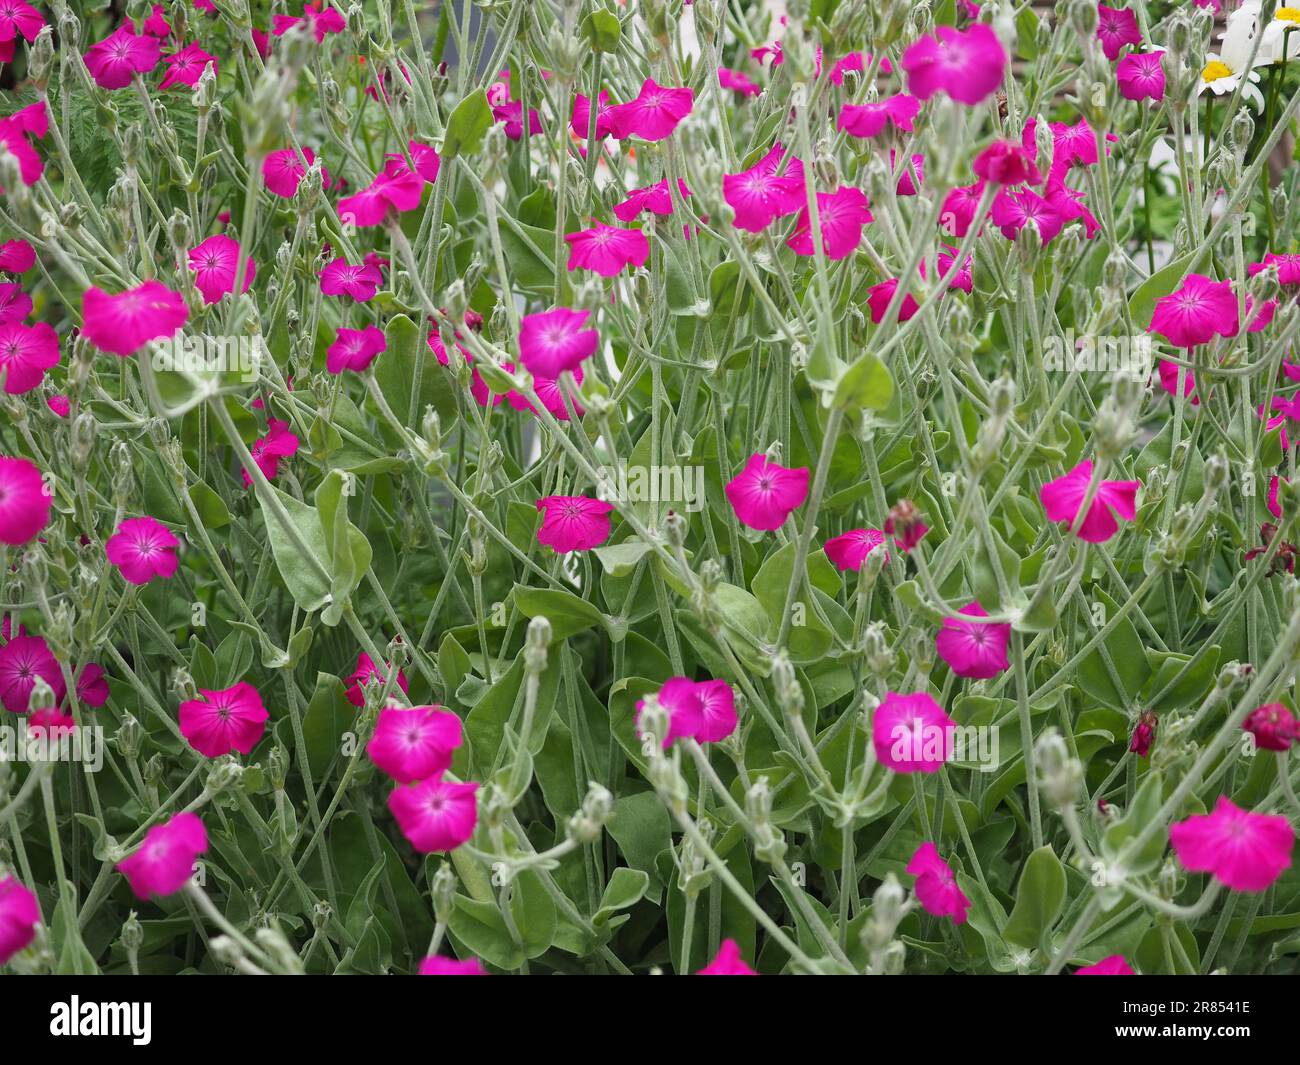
<point>341,278</point>
<point>967,65</point>
<point>702,710</point>
<point>738,81</point>
<point>156,25</point>
<point>1006,163</point>
<point>1201,309</point>
<point>841,215</point>
<point>119,57</point>
<point>426,160</point>
<point>555,341</point>
<point>963,277</point>
<point>165,860</point>
<point>959,207</point>
<point>580,119</point>
<point>936,885</point>
<point>17,256</point>
<point>415,744</point>
<point>323,20</point>
<point>15,304</point>
<point>1141,76</point>
<point>856,61</point>
<point>26,352</point>
<point>124,323</point>
<point>435,965</point>
<point>1273,726</point>
<point>607,249</point>
<point>870,120</point>
<point>510,115</point>
<point>850,550</point>
<point>25,501</point>
<point>396,189</point>
<point>19,17</point>
<point>654,114</point>
<point>573,523</point>
<point>142,548</point>
<point>771,188</point>
<point>92,686</point>
<point>1063,498</point>
<point>225,720</point>
<point>186,66</point>
<point>911,733</point>
<point>1115,29</point>
<point>361,677</point>
<point>1169,372</point>
<point>355,349</point>
<point>59,404</point>
<point>727,962</point>
<point>906,186</point>
<point>1288,269</point>
<point>20,913</point>
<point>267,451</point>
<point>974,649</point>
<point>1144,734</point>
<point>1073,145</point>
<point>15,130</point>
<point>1245,851</point>
<point>1113,965</point>
<point>435,815</point>
<point>657,199</point>
<point>22,660</point>
<point>765,493</point>
<point>1068,203</point>
<point>553,399</point>
<point>879,297</point>
<point>1014,208</point>
<point>215,263</point>
<point>283,171</point>
<point>677,697</point>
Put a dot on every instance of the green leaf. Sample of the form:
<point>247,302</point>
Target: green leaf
<point>395,375</point>
<point>347,548</point>
<point>469,120</point>
<point>329,715</point>
<point>602,30</point>
<point>625,889</point>
<point>867,383</point>
<point>1039,899</point>
<point>566,612</point>
<point>305,569</point>
<point>211,507</point>
<point>619,560</point>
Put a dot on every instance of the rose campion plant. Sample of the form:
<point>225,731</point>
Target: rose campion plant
<point>696,488</point>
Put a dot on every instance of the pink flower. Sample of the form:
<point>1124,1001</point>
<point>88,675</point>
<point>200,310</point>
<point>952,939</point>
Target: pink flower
<point>323,20</point>
<point>1006,163</point>
<point>766,191</point>
<point>396,189</point>
<point>156,25</point>
<point>25,501</point>
<point>911,733</point>
<point>850,550</point>
<point>906,186</point>
<point>905,524</point>
<point>60,405</point>
<point>1274,504</point>
<point>1073,145</point>
<point>1169,372</point>
<point>1244,850</point>
<point>283,171</point>
<point>654,114</point>
<point>118,58</point>
<point>361,677</point>
<point>657,199</point>
<point>1288,269</point>
<point>14,132</point>
<point>727,962</point>
<point>1063,498</point>
<point>1144,734</point>
<point>20,913</point>
<point>142,548</point>
<point>967,65</point>
<point>23,660</point>
<point>704,710</point>
<point>165,860</point>
<point>870,120</point>
<point>879,297</point>
<point>511,115</point>
<point>856,61</point>
<point>435,815</point>
<point>355,349</point>
<point>186,66</point>
<point>340,278</point>
<point>1273,726</point>
<point>414,744</point>
<point>215,263</point>
<point>19,17</point>
<point>607,249</point>
<point>1114,965</point>
<point>1068,203</point>
<point>92,687</point>
<point>1116,28</point>
<point>1141,76</point>
<point>1013,208</point>
<point>15,304</point>
<point>580,119</point>
<point>124,323</point>
<point>738,82</point>
<point>1198,311</point>
<point>267,451</point>
<point>426,160</point>
<point>16,257</point>
<point>573,523</point>
<point>841,215</point>
<point>50,723</point>
<point>26,352</point>
<point>435,965</point>
<point>765,493</point>
<point>225,720</point>
<point>963,277</point>
<point>554,341</point>
<point>975,649</point>
<point>959,207</point>
<point>553,399</point>
<point>261,41</point>
<point>936,885</point>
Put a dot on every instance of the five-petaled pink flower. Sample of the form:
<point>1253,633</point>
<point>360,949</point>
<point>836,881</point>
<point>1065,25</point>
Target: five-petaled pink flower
<point>165,860</point>
<point>705,711</point>
<point>142,548</point>
<point>1288,268</point>
<point>607,249</point>
<point>1016,206</point>
<point>322,18</point>
<point>911,733</point>
<point>1063,500</point>
<point>967,65</point>
<point>20,914</point>
<point>654,114</point>
<point>1200,310</point>
<point>850,550</point>
<point>436,965</point>
<point>23,660</point>
<point>771,188</point>
<point>765,493</point>
<point>1116,27</point>
<point>881,294</point>
<point>936,885</point>
<point>727,962</point>
<point>362,675</point>
<point>656,198</point>
<point>124,323</point>
<point>92,685</point>
<point>282,171</point>
<point>25,501</point>
<point>215,263</point>
<point>414,744</point>
<point>341,278</point>
<point>974,649</point>
<point>580,118</point>
<point>26,352</point>
<point>1112,965</point>
<point>1006,163</point>
<point>119,57</point>
<point>435,815</point>
<point>870,120</point>
<point>355,349</point>
<point>841,215</point>
<point>738,81</point>
<point>17,256</point>
<point>554,341</point>
<point>267,451</point>
<point>1245,851</point>
<point>1273,726</point>
<point>19,17</point>
<point>573,523</point>
<point>1141,76</point>
<point>397,188</point>
<point>224,720</point>
<point>186,66</point>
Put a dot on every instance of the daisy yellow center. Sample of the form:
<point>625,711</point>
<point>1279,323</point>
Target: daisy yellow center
<point>1287,14</point>
<point>1215,69</point>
